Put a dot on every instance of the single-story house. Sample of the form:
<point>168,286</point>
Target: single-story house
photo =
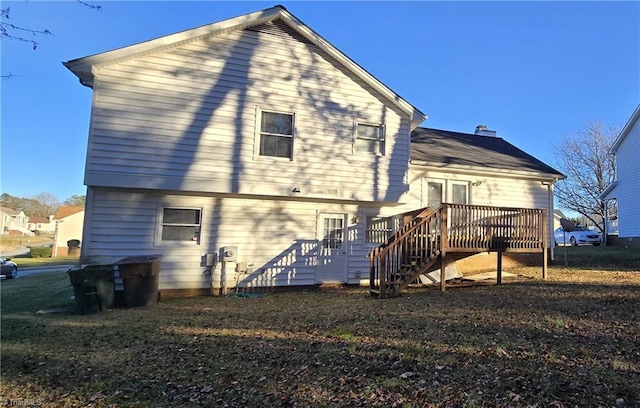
<point>69,222</point>
<point>41,225</point>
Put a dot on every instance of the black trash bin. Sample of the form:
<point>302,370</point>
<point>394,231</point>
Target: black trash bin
<point>140,276</point>
<point>73,247</point>
<point>93,288</point>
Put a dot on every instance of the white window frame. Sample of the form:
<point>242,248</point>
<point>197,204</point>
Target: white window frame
<point>382,139</point>
<point>443,197</point>
<point>258,134</point>
<point>465,184</point>
<point>160,226</point>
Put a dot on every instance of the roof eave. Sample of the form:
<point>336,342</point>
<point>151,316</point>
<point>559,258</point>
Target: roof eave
<point>84,67</point>
<point>417,116</point>
<point>625,131</point>
<point>607,190</point>
<point>477,170</point>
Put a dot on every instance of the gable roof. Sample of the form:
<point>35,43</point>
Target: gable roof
<point>9,211</point>
<point>66,211</point>
<point>464,151</point>
<point>559,214</point>
<point>83,68</point>
<point>625,131</point>
<point>39,220</point>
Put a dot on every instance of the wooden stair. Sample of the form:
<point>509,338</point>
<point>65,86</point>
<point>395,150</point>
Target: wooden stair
<point>410,252</point>
<point>454,230</point>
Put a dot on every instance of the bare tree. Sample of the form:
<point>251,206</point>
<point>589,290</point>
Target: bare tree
<point>76,200</point>
<point>47,204</point>
<point>11,31</point>
<point>584,158</point>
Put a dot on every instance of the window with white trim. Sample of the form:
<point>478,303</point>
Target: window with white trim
<point>377,229</point>
<point>276,134</point>
<point>181,224</point>
<point>369,138</point>
<point>459,193</point>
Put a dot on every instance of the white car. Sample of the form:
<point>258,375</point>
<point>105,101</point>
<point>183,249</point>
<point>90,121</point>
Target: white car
<point>8,268</point>
<point>579,236</point>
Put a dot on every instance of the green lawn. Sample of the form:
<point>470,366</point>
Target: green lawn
<point>571,341</point>
<point>27,261</point>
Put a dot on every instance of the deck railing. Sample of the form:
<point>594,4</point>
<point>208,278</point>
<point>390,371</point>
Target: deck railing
<point>452,228</point>
<point>474,228</point>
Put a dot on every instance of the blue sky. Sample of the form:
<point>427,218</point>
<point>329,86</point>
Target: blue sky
<point>532,71</point>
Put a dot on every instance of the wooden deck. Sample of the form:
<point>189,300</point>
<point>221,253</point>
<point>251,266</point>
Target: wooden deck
<point>431,238</point>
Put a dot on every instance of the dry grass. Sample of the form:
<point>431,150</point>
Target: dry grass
<point>571,341</point>
<point>8,242</point>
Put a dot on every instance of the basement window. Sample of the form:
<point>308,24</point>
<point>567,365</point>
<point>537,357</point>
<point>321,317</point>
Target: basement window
<point>181,224</point>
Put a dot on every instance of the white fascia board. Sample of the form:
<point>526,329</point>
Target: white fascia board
<point>416,116</point>
<point>85,67</point>
<point>625,131</point>
<point>607,190</point>
<point>483,171</point>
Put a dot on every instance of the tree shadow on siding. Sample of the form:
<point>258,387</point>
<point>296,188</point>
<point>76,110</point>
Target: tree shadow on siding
<point>237,78</point>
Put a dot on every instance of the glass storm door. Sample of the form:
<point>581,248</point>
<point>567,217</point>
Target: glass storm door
<point>332,258</point>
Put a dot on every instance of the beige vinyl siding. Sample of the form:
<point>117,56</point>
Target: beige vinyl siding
<point>504,191</point>
<point>185,119</point>
<point>278,238</point>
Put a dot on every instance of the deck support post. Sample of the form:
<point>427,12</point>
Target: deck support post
<point>443,272</point>
<point>544,263</point>
<point>499,268</point>
<point>544,244</point>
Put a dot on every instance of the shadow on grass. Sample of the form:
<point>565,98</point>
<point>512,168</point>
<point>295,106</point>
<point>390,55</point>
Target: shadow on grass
<point>513,345</point>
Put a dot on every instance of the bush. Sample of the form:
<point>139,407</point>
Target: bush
<point>41,252</point>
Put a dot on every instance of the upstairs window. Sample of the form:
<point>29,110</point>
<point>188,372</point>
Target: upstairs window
<point>181,224</point>
<point>370,138</point>
<point>276,134</point>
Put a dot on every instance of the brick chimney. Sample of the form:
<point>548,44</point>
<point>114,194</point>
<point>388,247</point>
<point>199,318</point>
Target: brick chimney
<point>481,130</point>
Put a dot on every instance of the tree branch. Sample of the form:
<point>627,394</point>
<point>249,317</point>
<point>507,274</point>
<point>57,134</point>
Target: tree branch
<point>9,31</point>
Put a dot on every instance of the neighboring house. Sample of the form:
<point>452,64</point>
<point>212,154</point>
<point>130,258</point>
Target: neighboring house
<point>13,222</point>
<point>625,190</point>
<point>256,142</point>
<point>68,221</point>
<point>557,216</point>
<point>41,225</point>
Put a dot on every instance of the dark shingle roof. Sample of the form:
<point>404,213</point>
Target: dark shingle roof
<point>445,148</point>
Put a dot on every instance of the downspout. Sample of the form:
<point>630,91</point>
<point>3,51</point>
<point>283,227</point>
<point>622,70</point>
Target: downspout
<point>550,217</point>
<point>85,244</point>
<point>605,223</point>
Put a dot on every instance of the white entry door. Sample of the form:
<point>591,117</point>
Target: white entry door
<point>332,257</point>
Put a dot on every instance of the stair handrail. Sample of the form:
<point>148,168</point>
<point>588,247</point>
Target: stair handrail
<point>425,216</point>
<point>424,212</point>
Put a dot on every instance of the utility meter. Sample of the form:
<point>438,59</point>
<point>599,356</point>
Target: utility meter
<point>230,253</point>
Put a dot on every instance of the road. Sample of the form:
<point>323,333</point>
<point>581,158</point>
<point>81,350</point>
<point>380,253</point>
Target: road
<point>35,269</point>
<point>15,252</point>
<point>41,269</point>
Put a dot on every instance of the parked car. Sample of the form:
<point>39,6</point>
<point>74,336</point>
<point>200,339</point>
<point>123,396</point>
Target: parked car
<point>8,268</point>
<point>579,236</point>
